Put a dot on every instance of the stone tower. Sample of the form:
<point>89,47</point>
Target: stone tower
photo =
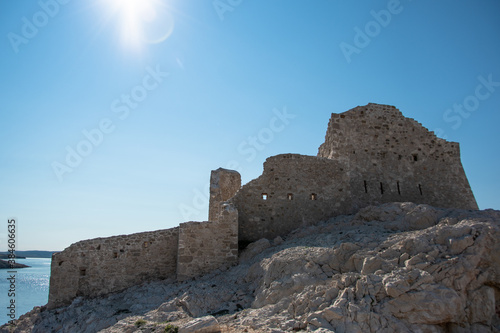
<point>393,158</point>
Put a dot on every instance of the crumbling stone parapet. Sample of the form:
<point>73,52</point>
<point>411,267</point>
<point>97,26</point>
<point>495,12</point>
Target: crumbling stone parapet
<point>223,185</point>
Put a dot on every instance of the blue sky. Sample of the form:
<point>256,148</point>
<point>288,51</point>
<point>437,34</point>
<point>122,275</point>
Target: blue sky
<point>155,95</point>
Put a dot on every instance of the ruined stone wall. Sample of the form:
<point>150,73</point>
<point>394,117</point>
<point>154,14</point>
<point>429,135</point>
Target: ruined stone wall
<point>206,246</point>
<point>392,158</point>
<point>372,154</point>
<point>99,266</point>
<point>223,185</point>
<point>293,191</point>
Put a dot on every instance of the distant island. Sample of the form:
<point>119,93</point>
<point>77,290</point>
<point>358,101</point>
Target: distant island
<point>6,256</point>
<point>5,265</point>
<point>29,254</point>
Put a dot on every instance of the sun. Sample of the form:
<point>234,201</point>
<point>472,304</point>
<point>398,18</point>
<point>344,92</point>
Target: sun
<point>141,21</point>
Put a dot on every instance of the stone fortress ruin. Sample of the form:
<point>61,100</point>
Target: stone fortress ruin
<point>371,155</point>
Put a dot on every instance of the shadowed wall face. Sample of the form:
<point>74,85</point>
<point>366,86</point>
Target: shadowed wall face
<point>99,266</point>
<point>392,158</point>
<point>372,154</point>
<point>293,191</point>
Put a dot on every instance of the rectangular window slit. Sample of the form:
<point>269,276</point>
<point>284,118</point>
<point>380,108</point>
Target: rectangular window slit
<point>399,190</point>
<point>381,188</point>
<point>289,196</point>
<point>420,189</point>
<point>264,196</point>
<point>366,188</point>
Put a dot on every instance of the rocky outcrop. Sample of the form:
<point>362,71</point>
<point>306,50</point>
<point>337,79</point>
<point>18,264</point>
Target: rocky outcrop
<point>5,265</point>
<point>397,267</point>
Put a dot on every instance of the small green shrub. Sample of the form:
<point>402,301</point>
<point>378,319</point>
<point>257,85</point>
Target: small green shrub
<point>140,322</point>
<point>171,329</point>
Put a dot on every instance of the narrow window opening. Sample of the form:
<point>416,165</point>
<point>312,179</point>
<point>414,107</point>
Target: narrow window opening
<point>264,196</point>
<point>83,272</point>
<point>313,196</point>
<point>115,254</point>
<point>289,196</point>
<point>399,190</point>
<point>381,188</point>
<point>366,187</point>
<point>420,189</point>
<point>145,244</point>
<point>415,157</point>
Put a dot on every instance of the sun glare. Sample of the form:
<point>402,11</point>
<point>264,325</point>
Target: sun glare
<point>141,21</point>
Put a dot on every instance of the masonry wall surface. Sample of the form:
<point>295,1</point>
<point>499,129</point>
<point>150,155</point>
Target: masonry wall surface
<point>99,266</point>
<point>223,185</point>
<point>207,246</point>
<point>393,158</point>
<point>372,154</point>
<point>293,191</point>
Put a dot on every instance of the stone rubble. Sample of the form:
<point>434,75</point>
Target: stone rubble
<point>397,267</point>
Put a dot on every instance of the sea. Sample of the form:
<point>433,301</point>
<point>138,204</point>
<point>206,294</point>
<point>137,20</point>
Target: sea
<point>31,287</point>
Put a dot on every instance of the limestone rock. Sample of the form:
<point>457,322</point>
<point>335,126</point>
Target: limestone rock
<point>278,241</point>
<point>481,307</point>
<point>253,249</point>
<point>434,306</point>
<point>207,324</point>
<point>396,267</point>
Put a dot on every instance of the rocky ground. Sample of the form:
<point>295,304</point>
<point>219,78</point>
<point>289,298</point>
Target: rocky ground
<point>397,267</point>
